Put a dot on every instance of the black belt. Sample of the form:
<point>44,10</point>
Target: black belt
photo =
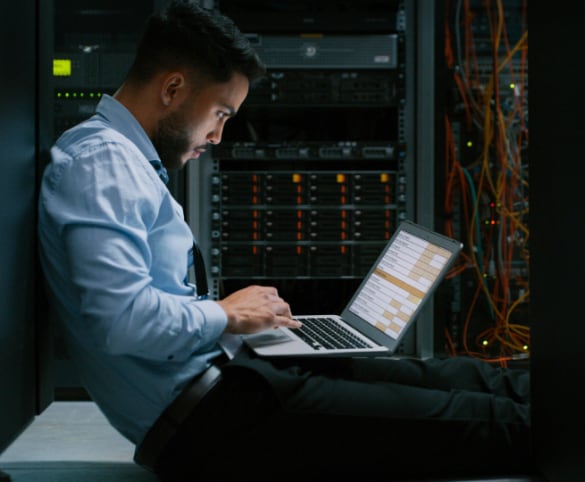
<point>149,450</point>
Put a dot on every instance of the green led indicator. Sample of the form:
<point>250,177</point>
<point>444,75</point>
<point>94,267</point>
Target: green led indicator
<point>469,144</point>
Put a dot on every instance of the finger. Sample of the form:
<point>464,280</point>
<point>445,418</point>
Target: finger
<point>281,310</point>
<point>287,322</point>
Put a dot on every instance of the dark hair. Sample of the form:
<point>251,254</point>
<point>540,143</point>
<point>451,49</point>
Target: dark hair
<point>186,35</point>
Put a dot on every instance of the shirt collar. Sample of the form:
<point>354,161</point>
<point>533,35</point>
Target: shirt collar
<point>122,120</point>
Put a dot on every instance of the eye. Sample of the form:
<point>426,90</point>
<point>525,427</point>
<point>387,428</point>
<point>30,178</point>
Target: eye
<point>221,115</point>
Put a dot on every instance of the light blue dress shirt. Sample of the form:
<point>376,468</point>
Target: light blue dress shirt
<point>115,251</point>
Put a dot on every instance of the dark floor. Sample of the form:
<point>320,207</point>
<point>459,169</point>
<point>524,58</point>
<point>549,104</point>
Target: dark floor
<point>73,442</point>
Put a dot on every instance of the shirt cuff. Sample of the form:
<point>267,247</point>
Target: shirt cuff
<point>215,319</point>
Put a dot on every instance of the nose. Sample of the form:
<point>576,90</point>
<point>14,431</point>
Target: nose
<point>214,137</point>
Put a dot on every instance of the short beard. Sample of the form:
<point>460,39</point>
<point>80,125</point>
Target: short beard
<point>171,140</point>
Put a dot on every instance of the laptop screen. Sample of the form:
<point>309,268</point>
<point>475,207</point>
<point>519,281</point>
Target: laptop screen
<point>404,275</point>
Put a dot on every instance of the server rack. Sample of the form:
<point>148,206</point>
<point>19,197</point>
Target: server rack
<point>483,180</point>
<point>321,162</point>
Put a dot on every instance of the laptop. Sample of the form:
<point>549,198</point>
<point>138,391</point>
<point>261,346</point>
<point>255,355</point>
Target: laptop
<point>383,308</point>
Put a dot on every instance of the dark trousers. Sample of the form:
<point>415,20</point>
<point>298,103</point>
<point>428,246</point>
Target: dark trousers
<point>355,419</point>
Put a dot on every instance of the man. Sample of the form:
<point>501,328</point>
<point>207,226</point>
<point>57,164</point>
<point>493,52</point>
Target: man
<point>116,253</point>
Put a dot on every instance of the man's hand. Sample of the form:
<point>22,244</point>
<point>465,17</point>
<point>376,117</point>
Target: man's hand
<point>256,308</point>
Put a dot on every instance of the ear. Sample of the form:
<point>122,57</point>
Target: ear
<point>173,86</point>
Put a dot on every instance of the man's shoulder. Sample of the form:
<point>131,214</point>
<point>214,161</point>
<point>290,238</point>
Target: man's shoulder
<point>90,135</point>
<point>92,151</point>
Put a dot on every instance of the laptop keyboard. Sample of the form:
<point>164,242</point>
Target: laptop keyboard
<point>326,333</point>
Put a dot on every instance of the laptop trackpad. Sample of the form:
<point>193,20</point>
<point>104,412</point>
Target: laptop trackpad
<point>269,337</point>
